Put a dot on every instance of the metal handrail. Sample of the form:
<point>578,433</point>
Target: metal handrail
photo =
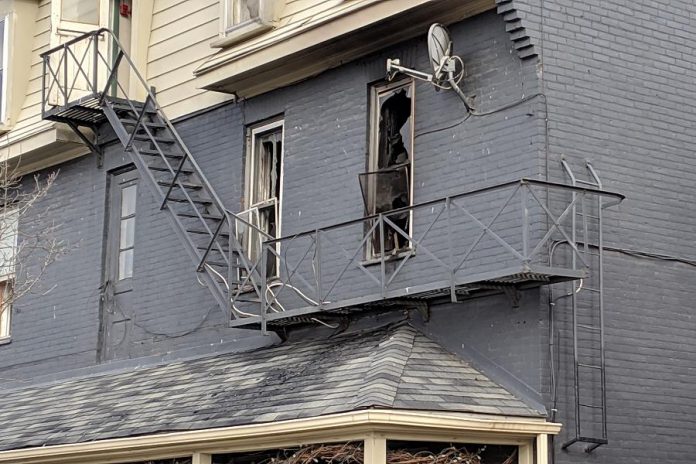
<point>618,198</point>
<point>292,279</point>
<point>65,86</point>
<point>216,200</point>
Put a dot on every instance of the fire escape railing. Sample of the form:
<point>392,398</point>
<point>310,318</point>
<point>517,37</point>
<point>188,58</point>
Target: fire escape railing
<point>82,87</point>
<point>489,238</point>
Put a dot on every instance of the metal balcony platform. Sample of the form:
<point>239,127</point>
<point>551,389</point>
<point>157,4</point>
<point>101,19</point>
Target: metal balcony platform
<point>492,239</point>
<point>519,278</point>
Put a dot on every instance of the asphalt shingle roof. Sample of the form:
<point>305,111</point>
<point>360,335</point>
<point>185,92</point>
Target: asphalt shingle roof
<point>389,367</point>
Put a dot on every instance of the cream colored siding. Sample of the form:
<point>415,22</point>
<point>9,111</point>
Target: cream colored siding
<point>296,16</point>
<point>30,114</point>
<point>179,43</point>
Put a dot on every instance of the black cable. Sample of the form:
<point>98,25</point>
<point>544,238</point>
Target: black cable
<point>480,114</point>
<point>652,255</point>
<point>111,303</point>
<point>646,254</point>
<point>508,106</point>
<point>440,129</point>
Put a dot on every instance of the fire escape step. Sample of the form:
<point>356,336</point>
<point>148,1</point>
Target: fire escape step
<point>147,138</point>
<point>205,232</point>
<point>125,106</point>
<point>186,185</point>
<point>133,122</point>
<point>185,214</point>
<point>151,152</point>
<point>198,201</point>
<point>166,169</point>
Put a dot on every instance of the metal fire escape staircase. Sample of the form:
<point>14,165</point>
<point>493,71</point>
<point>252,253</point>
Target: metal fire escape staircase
<point>587,306</point>
<point>81,87</point>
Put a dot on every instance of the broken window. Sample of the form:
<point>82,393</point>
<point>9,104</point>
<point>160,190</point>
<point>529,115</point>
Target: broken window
<point>387,184</point>
<point>263,188</point>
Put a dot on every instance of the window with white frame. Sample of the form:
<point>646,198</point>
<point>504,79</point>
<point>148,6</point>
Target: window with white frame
<point>242,19</point>
<point>9,220</point>
<point>80,11</point>
<point>4,55</point>
<point>263,180</point>
<point>240,11</point>
<point>388,183</point>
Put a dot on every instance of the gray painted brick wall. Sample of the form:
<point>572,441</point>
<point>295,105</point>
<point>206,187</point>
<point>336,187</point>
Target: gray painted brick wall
<point>325,145</point>
<point>620,82</point>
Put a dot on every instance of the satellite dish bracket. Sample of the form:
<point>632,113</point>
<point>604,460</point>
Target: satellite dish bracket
<point>394,67</point>
<point>444,65</point>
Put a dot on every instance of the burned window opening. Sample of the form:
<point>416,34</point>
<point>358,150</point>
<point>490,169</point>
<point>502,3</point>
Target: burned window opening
<point>263,180</point>
<point>387,184</point>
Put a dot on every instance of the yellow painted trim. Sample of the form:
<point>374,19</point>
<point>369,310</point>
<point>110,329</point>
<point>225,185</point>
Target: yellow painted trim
<point>44,146</point>
<point>202,458</point>
<point>542,448</point>
<point>375,450</point>
<point>525,453</point>
<point>337,427</point>
<point>141,28</point>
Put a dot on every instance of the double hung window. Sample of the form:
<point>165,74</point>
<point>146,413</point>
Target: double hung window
<point>263,180</point>
<point>9,220</point>
<point>238,12</point>
<point>80,11</point>
<point>243,19</point>
<point>121,229</point>
<point>4,55</point>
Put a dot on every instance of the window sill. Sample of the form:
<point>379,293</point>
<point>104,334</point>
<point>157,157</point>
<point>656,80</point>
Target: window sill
<point>5,340</point>
<point>241,32</point>
<point>375,261</point>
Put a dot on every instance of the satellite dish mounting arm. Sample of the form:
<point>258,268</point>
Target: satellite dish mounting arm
<point>443,62</point>
<point>394,67</point>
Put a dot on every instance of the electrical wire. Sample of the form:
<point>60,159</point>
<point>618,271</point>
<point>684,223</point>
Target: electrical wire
<point>646,254</point>
<point>480,114</point>
<point>112,304</point>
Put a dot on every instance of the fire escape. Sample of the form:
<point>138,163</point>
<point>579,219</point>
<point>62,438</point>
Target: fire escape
<point>493,239</point>
<point>82,87</point>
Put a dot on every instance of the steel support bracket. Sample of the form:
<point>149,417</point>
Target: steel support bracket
<point>96,149</point>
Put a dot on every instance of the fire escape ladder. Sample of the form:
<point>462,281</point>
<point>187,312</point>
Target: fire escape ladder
<point>587,305</point>
<point>82,86</point>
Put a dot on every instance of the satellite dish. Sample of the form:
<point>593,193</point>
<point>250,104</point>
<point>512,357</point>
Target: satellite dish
<point>440,50</point>
<point>445,75</point>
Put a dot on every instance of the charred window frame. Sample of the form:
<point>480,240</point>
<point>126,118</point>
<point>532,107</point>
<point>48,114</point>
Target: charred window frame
<point>388,183</point>
<point>263,189</point>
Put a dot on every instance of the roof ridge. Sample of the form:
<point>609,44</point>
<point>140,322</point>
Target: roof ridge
<point>387,364</point>
<point>453,371</point>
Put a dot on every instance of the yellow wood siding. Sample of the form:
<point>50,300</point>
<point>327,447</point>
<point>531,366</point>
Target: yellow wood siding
<point>29,119</point>
<point>182,32</point>
<point>179,43</point>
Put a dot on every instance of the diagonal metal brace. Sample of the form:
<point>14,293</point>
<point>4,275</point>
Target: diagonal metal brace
<point>96,149</point>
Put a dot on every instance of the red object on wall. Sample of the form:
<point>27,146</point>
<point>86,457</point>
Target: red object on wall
<point>124,9</point>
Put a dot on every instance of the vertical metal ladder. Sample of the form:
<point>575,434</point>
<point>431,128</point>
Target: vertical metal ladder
<point>587,301</point>
<point>208,231</point>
